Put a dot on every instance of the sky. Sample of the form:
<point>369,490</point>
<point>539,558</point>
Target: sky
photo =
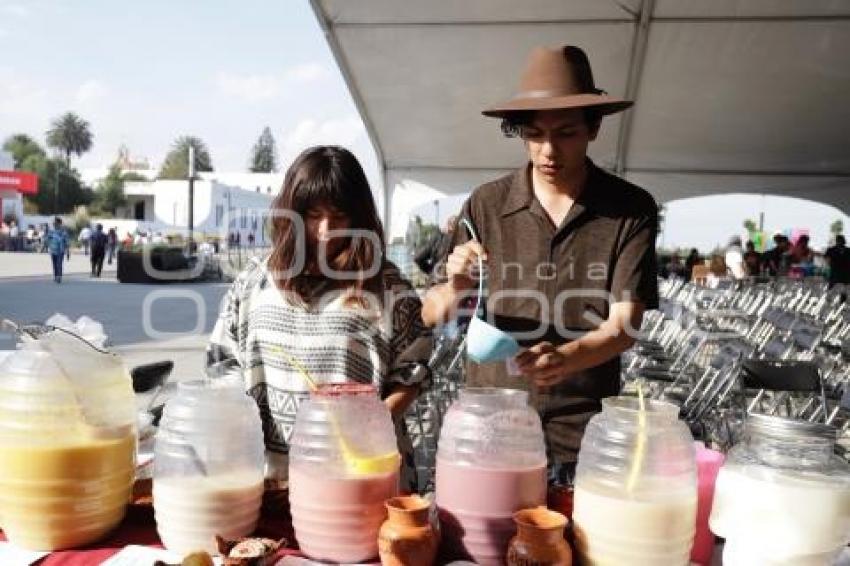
<point>144,73</point>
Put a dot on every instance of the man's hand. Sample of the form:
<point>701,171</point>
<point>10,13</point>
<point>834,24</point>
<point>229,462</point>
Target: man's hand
<point>548,365</point>
<point>460,262</point>
<point>544,364</point>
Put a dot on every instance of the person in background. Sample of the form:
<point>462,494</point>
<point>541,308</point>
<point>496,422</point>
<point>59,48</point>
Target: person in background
<point>14,236</point>
<point>752,259</point>
<point>111,244</point>
<point>326,299</point>
<point>85,235</point>
<point>675,268</point>
<point>801,253</point>
<point>717,266</point>
<point>42,236</point>
<point>436,248</point>
<point>838,259</point>
<point>777,260</point>
<point>692,260</point>
<point>98,242</point>
<point>57,245</point>
<point>734,258</point>
<point>31,235</point>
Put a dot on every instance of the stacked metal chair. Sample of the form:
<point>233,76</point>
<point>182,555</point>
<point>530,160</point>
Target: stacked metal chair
<point>778,347</point>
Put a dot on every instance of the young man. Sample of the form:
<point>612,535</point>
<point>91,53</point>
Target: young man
<point>838,258</point>
<point>98,242</point>
<point>570,254</point>
<point>57,245</point>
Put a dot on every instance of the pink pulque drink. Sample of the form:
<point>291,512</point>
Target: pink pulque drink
<point>338,518</point>
<point>708,465</point>
<point>343,465</point>
<point>491,462</point>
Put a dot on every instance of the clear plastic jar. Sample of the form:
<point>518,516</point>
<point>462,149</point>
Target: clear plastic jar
<point>636,486</point>
<point>67,451</point>
<point>343,465</point>
<point>208,465</point>
<point>491,462</point>
<point>782,496</point>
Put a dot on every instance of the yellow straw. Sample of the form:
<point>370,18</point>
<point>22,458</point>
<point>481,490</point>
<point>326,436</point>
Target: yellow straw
<point>357,464</point>
<point>299,367</point>
<point>640,444</point>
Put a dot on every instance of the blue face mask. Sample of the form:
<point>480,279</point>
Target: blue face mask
<point>484,342</point>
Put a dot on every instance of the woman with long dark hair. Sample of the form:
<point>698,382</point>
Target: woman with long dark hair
<point>327,298</point>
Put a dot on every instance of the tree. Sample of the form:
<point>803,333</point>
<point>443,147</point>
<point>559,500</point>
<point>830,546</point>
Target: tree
<point>49,199</point>
<point>836,227</point>
<point>110,191</point>
<point>176,164</point>
<point>264,154</point>
<point>21,146</point>
<point>69,134</point>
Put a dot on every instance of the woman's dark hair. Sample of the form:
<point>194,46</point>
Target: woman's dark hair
<point>512,123</point>
<point>332,176</point>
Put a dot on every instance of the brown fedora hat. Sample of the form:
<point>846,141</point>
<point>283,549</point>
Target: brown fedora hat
<point>558,78</point>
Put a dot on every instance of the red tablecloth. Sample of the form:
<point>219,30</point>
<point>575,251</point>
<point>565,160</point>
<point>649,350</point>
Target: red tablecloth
<point>139,527</point>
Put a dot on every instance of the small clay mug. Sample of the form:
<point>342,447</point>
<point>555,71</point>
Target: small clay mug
<point>407,537</point>
<point>539,540</point>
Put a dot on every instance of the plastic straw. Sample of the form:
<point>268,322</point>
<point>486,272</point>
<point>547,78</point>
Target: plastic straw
<point>640,444</point>
<point>360,465</point>
<point>299,367</point>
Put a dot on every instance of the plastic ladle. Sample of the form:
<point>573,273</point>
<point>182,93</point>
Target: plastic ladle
<point>484,342</point>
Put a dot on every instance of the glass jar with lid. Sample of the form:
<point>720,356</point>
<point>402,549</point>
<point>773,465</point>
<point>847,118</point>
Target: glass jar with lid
<point>783,495</point>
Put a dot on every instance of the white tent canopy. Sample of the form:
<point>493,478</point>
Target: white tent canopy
<point>748,96</point>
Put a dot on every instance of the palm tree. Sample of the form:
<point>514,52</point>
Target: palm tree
<point>70,134</point>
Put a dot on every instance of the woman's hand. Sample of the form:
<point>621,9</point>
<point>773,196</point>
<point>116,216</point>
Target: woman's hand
<point>400,398</point>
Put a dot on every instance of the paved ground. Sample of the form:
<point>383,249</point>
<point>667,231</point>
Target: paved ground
<point>145,323</point>
<point>33,265</point>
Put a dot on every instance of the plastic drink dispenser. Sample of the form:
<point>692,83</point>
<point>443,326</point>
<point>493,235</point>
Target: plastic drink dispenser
<point>67,449</point>
<point>343,465</point>
<point>783,495</point>
<point>636,486</point>
<point>491,462</point>
<point>208,465</point>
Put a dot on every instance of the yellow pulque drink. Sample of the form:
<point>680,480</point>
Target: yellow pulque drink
<point>65,495</point>
<point>67,448</point>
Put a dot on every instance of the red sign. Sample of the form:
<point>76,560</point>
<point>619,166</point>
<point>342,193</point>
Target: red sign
<point>21,181</point>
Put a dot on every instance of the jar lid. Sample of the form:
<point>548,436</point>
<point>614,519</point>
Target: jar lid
<point>326,390</point>
<point>791,429</point>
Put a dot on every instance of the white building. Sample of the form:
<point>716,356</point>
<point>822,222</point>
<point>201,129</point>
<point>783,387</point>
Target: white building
<point>140,166</point>
<point>219,209</point>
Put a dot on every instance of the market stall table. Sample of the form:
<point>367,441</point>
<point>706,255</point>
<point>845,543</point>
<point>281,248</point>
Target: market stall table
<point>139,528</point>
